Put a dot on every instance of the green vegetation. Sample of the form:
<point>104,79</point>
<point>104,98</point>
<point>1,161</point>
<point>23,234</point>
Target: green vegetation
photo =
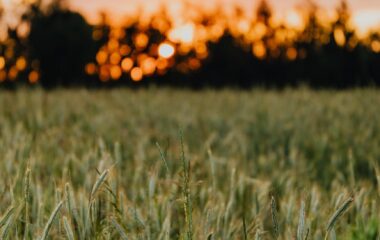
<point>170,164</point>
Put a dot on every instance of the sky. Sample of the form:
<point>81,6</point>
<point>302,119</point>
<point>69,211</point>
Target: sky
<point>365,13</point>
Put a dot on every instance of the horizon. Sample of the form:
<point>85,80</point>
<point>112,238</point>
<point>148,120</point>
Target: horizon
<point>365,15</point>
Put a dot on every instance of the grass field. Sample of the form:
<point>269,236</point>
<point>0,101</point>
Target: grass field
<point>170,164</point>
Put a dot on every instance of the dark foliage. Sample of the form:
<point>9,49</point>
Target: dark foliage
<point>61,42</point>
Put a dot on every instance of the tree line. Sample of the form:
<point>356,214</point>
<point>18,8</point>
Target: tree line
<point>53,46</point>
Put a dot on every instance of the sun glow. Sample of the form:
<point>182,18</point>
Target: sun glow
<point>182,34</point>
<point>366,20</point>
<point>293,19</point>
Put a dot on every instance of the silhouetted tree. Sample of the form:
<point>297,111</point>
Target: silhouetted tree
<point>61,40</point>
<point>309,47</point>
<point>374,58</point>
<point>340,56</point>
<point>264,12</point>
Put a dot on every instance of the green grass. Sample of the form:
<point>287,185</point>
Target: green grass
<point>170,164</point>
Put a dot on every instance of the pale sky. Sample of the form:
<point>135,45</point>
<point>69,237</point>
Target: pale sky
<point>366,13</point>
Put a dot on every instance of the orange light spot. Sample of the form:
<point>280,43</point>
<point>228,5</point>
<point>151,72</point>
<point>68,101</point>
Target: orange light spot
<point>127,64</point>
<point>216,32</point>
<point>23,29</point>
<point>291,53</point>
<point>101,57</point>
<point>21,63</point>
<point>115,58</point>
<point>117,33</point>
<point>90,68</point>
<point>148,66</point>
<point>141,57</point>
<point>259,30</point>
<point>104,74</point>
<point>3,75</point>
<point>33,77</point>
<point>259,50</point>
<point>166,50</point>
<point>162,64</point>
<point>201,50</point>
<point>153,49</point>
<point>194,63</point>
<point>136,74</point>
<point>13,73</point>
<point>184,49</point>
<point>141,40</point>
<point>115,72</point>
<point>2,62</point>
<point>375,45</point>
<point>280,36</point>
<point>160,24</point>
<point>113,44</point>
<point>339,37</point>
<point>124,50</point>
<point>243,26</point>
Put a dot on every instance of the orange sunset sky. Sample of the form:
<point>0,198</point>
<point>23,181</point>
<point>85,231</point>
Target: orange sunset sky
<point>366,13</point>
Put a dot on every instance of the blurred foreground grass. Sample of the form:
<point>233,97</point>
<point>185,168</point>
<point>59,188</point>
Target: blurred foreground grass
<point>254,165</point>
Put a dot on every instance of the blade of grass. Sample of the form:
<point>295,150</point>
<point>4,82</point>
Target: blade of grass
<point>48,225</point>
<point>301,222</point>
<point>334,218</point>
<point>274,217</point>
<point>7,215</point>
<point>162,155</point>
<point>119,228</point>
<point>186,192</point>
<point>68,230</point>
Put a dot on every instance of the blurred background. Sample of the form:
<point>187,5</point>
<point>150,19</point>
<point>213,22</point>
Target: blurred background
<point>194,44</point>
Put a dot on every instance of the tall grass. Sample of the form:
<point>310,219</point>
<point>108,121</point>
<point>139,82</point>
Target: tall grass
<point>170,164</point>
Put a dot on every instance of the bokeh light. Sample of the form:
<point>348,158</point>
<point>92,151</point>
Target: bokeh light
<point>375,45</point>
<point>141,40</point>
<point>259,50</point>
<point>13,73</point>
<point>127,64</point>
<point>148,66</point>
<point>3,75</point>
<point>90,68</point>
<point>21,63</point>
<point>136,74</point>
<point>33,77</point>
<point>115,72</point>
<point>2,63</point>
<point>166,50</point>
<point>101,57</point>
